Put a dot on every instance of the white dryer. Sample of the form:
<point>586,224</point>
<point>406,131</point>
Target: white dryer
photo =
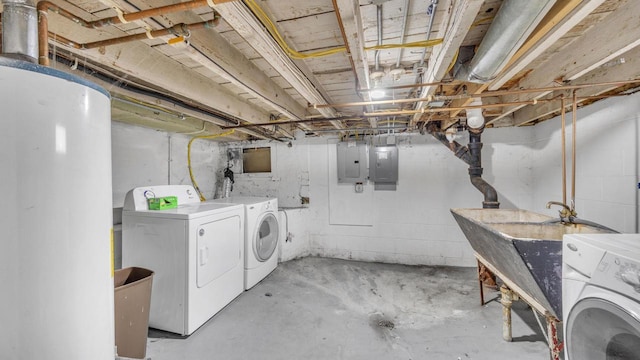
<point>196,251</point>
<point>601,296</point>
<point>261,236</point>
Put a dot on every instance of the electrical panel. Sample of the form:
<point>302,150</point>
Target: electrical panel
<point>352,162</point>
<point>383,166</point>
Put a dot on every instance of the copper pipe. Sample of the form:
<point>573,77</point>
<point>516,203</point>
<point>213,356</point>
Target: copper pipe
<point>44,7</point>
<point>43,33</point>
<point>346,42</point>
<point>573,149</point>
<point>564,151</point>
<point>485,94</point>
<point>436,110</point>
<point>302,121</point>
<point>178,30</point>
<point>440,83</point>
<point>151,13</point>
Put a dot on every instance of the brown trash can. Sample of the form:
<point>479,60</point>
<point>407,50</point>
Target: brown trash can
<point>132,300</point>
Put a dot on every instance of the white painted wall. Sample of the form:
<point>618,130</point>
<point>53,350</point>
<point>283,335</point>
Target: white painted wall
<point>412,225</point>
<point>607,163</point>
<point>143,156</point>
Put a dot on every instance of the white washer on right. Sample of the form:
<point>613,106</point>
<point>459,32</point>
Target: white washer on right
<point>601,296</point>
<point>261,236</point>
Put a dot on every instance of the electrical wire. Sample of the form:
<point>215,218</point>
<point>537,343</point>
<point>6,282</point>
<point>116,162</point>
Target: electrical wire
<point>193,179</point>
<point>292,53</point>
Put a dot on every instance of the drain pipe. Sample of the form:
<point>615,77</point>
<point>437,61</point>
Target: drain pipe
<point>20,30</point>
<point>475,172</point>
<point>472,156</point>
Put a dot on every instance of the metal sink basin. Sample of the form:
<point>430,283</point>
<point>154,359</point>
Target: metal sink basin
<point>524,246</point>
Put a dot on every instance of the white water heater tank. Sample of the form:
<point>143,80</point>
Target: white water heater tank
<point>56,295</point>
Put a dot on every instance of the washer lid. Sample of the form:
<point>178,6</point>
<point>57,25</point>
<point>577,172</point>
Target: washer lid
<point>188,211</point>
<point>598,329</point>
<point>265,239</point>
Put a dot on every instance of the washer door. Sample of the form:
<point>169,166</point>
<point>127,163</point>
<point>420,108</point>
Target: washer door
<point>265,240</point>
<point>599,329</point>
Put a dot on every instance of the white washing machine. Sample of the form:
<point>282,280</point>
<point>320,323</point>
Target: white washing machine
<point>601,296</point>
<point>261,236</point>
<point>196,251</point>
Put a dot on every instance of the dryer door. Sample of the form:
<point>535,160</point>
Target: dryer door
<point>598,329</point>
<point>218,248</point>
<point>265,240</point>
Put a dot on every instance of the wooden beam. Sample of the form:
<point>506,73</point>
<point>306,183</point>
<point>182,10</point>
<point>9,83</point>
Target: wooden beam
<point>599,44</point>
<point>461,15</point>
<point>214,52</point>
<point>349,11</point>
<point>242,21</point>
<point>626,71</point>
<point>562,17</point>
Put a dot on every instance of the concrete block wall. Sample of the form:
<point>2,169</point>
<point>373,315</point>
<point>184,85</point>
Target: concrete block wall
<point>142,156</point>
<point>411,225</point>
<point>607,162</point>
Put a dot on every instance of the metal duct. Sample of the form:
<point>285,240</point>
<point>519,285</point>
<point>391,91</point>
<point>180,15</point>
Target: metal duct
<point>513,24</point>
<point>20,30</point>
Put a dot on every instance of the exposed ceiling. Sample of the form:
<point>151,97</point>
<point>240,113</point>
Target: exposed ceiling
<point>311,66</point>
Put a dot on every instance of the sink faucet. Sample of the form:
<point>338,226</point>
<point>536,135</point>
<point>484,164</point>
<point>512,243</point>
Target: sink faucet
<point>567,213</point>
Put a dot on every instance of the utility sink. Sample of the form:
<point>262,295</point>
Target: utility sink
<point>524,246</point>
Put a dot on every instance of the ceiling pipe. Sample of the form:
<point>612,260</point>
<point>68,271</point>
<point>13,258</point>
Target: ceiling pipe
<point>44,7</point>
<point>511,27</point>
<point>405,15</point>
<point>176,30</point>
<point>470,96</point>
<point>345,40</point>
<point>431,10</point>
<point>19,30</point>
<point>379,14</point>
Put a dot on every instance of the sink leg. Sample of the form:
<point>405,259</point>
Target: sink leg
<point>480,283</point>
<point>555,346</point>
<point>506,301</point>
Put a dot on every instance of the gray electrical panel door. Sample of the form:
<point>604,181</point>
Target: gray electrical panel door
<point>352,162</point>
<point>383,166</point>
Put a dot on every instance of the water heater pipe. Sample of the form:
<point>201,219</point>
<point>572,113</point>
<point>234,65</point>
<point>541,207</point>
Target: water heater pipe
<point>19,30</point>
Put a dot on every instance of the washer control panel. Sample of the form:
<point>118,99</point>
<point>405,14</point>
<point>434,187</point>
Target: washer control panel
<point>619,273</point>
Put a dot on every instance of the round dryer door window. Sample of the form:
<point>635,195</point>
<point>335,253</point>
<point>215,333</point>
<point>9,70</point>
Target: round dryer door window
<point>266,238</point>
<point>599,329</point>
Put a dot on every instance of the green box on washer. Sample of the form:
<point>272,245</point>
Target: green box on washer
<point>163,203</point>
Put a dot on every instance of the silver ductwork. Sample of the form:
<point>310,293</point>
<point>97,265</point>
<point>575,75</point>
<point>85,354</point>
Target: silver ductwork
<point>20,29</point>
<point>513,24</point>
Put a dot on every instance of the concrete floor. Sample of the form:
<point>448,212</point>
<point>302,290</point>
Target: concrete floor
<point>315,308</point>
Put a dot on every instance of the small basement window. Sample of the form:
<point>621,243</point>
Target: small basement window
<point>256,160</point>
